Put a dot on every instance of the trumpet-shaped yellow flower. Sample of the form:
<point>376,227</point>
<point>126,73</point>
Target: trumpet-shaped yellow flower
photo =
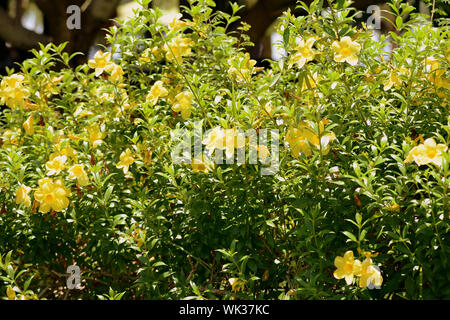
<point>301,137</point>
<point>101,62</point>
<point>95,135</point>
<point>116,72</point>
<point>77,172</point>
<point>22,195</point>
<point>346,50</point>
<point>56,165</point>
<point>304,52</point>
<point>347,267</point>
<point>177,48</point>
<point>157,91</point>
<point>244,70</point>
<point>28,126</point>
<point>183,104</point>
<point>370,275</point>
<point>227,139</point>
<point>126,160</point>
<point>176,23</point>
<point>428,152</point>
<point>51,195</point>
<point>13,93</point>
<point>438,78</point>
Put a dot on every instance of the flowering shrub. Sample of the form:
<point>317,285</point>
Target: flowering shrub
<point>357,207</point>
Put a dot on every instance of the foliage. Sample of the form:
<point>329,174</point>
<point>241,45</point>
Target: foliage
<point>87,176</point>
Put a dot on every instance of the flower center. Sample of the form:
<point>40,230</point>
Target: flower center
<point>348,268</point>
<point>49,198</point>
<point>345,52</point>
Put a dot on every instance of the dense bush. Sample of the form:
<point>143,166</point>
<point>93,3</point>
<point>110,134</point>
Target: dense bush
<point>356,209</point>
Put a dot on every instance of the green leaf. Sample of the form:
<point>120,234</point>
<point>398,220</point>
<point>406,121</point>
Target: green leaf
<point>350,235</point>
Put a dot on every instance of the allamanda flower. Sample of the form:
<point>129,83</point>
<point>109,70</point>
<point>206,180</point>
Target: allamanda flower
<point>55,165</point>
<point>183,102</point>
<point>22,195</point>
<point>347,267</point>
<point>51,195</point>
<point>77,172</point>
<point>101,62</point>
<point>157,91</point>
<point>28,126</point>
<point>177,48</point>
<point>95,136</point>
<point>370,275</point>
<point>13,93</point>
<point>304,52</point>
<point>126,160</point>
<point>428,152</point>
<point>346,50</point>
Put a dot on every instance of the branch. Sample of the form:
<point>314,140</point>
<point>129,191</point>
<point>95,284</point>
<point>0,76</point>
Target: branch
<point>16,35</point>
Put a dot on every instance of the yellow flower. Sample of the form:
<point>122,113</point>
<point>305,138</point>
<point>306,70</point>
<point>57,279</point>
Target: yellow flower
<point>201,164</point>
<point>244,70</point>
<point>10,138</point>
<point>95,135</point>
<point>431,64</point>
<point>126,160</point>
<point>56,165</point>
<point>345,50</point>
<point>347,267</point>
<point>439,79</point>
<point>177,23</point>
<point>100,62</point>
<point>183,102</point>
<point>300,138</point>
<point>228,139</point>
<point>304,52</point>
<point>428,152</point>
<point>10,293</point>
<point>22,195</point>
<point>370,275</point>
<point>157,91</point>
<point>263,152</point>
<point>12,91</point>
<point>68,151</point>
<point>116,72</point>
<point>77,172</point>
<point>28,126</point>
<point>236,284</point>
<point>394,79</point>
<point>177,48</point>
<point>51,195</point>
<point>312,81</point>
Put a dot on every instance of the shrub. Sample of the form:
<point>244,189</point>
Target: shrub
<point>358,199</point>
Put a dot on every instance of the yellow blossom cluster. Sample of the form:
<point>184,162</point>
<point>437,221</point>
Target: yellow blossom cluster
<point>302,137</point>
<point>102,63</point>
<point>177,48</point>
<point>13,92</point>
<point>348,267</point>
